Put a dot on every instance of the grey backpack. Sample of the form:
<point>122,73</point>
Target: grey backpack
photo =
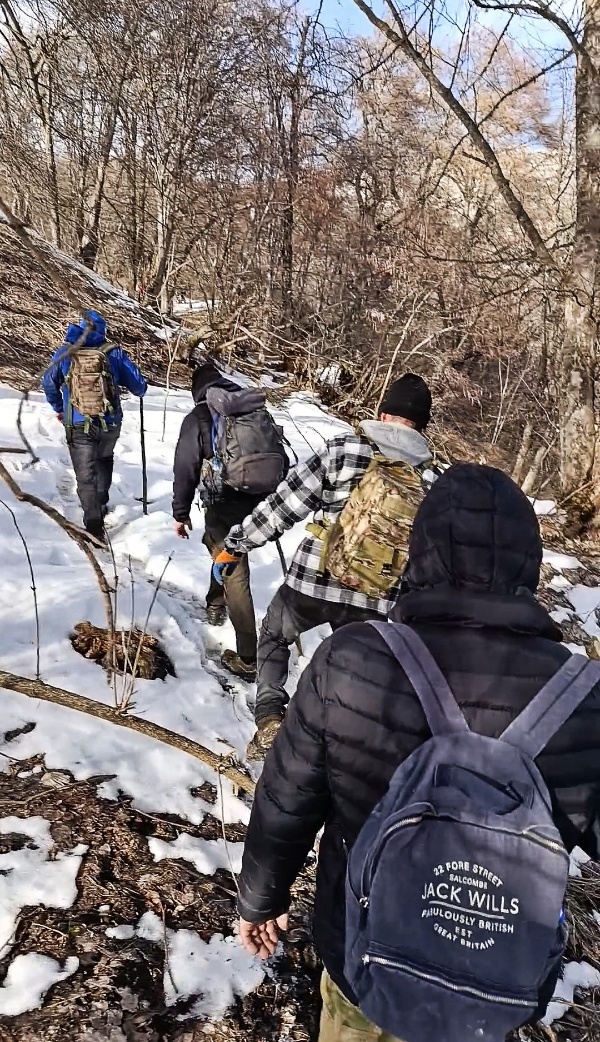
<point>248,449</point>
<point>455,885</point>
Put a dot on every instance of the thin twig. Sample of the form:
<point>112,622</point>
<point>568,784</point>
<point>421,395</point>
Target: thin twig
<point>172,349</point>
<point>84,540</point>
<point>33,588</point>
<point>166,943</point>
<point>129,682</point>
<point>228,855</point>
<point>113,632</point>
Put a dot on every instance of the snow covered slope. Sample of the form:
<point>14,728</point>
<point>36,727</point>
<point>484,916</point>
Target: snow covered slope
<point>193,703</point>
<point>202,702</point>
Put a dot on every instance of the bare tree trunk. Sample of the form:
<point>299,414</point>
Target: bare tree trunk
<point>90,240</point>
<point>43,95</point>
<point>157,290</point>
<point>579,465</point>
<point>53,185</point>
<point>524,447</point>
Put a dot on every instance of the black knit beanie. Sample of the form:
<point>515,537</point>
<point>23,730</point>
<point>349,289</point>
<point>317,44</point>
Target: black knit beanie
<point>410,398</point>
<point>205,376</point>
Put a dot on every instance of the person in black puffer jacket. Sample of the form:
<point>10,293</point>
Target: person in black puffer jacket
<point>231,507</point>
<point>474,564</point>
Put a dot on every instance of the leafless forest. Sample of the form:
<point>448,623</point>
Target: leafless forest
<point>425,195</point>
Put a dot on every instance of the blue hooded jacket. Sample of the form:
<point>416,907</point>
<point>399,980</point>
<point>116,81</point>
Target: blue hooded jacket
<point>124,372</point>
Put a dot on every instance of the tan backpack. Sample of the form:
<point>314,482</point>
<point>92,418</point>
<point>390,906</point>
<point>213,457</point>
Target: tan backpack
<point>367,547</point>
<point>92,390</point>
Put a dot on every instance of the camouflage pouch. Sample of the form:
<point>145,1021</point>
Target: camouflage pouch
<point>367,548</point>
<point>343,1022</point>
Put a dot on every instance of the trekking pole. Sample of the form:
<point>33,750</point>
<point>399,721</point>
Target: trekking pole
<point>284,569</point>
<point>144,471</point>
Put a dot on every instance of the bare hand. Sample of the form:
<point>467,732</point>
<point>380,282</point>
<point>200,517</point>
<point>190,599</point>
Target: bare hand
<point>59,417</point>
<point>181,528</point>
<point>262,938</point>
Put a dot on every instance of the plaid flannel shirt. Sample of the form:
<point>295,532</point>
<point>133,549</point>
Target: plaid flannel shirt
<point>320,486</point>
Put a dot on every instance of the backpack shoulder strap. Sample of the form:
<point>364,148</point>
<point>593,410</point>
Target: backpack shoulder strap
<point>553,705</point>
<point>442,712</point>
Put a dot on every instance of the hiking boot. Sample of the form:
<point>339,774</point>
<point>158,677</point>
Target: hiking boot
<point>216,615</point>
<point>236,665</point>
<point>263,739</point>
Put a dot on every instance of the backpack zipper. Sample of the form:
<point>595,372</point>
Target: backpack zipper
<point>371,863</point>
<point>395,964</point>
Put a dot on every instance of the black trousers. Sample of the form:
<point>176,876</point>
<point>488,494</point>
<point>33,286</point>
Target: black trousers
<point>92,456</point>
<point>288,616</point>
<point>236,593</point>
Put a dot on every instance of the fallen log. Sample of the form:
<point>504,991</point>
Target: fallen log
<point>47,693</point>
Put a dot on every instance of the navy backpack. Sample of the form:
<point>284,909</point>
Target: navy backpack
<point>456,883</point>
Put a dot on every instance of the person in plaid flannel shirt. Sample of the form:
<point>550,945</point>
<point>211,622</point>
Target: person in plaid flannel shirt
<point>321,485</point>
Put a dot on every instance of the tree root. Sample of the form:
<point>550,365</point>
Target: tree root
<point>68,699</point>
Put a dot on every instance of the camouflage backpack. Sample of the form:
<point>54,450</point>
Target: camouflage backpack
<point>367,547</point>
<point>92,390</point>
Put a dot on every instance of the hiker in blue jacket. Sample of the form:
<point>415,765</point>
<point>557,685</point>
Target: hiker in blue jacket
<point>82,386</point>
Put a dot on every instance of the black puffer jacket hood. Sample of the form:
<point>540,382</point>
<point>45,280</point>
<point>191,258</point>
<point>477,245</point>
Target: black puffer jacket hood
<point>475,530</point>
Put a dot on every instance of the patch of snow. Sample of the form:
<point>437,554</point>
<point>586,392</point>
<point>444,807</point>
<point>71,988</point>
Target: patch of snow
<point>216,970</point>
<point>158,778</point>
<point>578,857</point>
<point>575,649</point>
<point>559,582</point>
<point>543,507</point>
<point>183,307</point>
<point>560,561</point>
<point>585,601</point>
<point>162,333</point>
<point>121,933</point>
<point>29,877</point>
<point>561,615</point>
<point>150,928</point>
<point>206,855</point>
<point>28,979</point>
<point>329,375</point>
<point>575,975</point>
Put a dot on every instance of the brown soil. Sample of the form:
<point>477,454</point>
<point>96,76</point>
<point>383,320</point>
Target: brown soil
<point>117,993</point>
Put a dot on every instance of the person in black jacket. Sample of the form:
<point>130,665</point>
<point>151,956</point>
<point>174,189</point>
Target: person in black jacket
<point>193,449</point>
<point>474,564</point>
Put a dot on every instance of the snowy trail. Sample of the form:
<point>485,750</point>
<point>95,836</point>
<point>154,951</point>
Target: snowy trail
<point>202,701</point>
